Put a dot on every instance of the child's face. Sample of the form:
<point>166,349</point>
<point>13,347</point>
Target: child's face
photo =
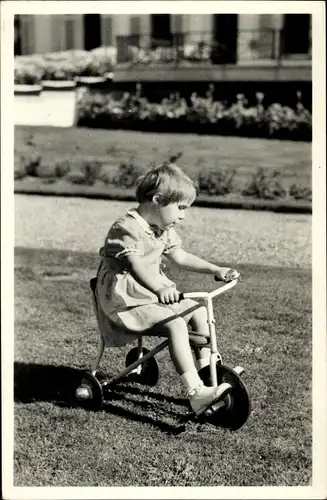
<point>171,214</point>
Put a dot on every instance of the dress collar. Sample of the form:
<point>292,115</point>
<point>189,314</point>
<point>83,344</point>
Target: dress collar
<point>144,224</point>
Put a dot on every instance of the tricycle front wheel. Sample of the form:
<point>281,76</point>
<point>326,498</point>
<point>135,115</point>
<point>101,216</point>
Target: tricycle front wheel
<point>234,410</point>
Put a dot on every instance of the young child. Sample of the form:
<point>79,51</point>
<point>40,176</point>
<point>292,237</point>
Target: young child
<point>133,294</point>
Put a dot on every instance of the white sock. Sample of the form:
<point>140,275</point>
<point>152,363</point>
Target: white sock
<point>191,380</point>
<point>201,363</point>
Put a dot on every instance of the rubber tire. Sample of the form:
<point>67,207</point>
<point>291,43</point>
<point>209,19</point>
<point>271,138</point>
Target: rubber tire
<point>237,403</point>
<point>150,370</point>
<point>94,386</point>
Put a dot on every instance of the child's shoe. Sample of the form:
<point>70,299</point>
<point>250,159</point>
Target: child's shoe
<point>202,397</point>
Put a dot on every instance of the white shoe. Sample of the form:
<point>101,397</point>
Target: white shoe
<point>202,397</point>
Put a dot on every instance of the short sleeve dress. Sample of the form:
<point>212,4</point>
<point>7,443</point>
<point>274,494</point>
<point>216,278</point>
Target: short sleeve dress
<point>126,309</point>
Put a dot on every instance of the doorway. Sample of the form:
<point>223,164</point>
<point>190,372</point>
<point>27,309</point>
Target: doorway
<point>92,31</point>
<point>295,34</point>
<point>224,50</point>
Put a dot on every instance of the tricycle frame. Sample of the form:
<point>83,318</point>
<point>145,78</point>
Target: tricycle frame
<point>215,356</point>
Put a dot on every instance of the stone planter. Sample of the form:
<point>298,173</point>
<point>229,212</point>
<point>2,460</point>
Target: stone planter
<point>59,103</point>
<point>20,89</point>
<point>90,80</point>
<point>27,104</point>
<point>53,104</point>
<point>94,82</point>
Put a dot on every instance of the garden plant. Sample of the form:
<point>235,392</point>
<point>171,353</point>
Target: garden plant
<point>64,65</point>
<point>201,115</point>
<point>228,171</point>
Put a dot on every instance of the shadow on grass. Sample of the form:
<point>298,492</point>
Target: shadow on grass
<point>57,384</point>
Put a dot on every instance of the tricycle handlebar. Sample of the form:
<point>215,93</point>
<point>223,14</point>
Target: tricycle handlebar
<point>214,293</point>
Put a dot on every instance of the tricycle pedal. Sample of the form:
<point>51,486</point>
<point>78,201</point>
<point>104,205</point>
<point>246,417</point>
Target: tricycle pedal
<point>214,408</point>
<point>239,370</point>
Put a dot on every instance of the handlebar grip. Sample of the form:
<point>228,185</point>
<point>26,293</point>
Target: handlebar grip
<point>227,281</point>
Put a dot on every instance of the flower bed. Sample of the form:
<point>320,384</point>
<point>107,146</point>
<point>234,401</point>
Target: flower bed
<point>98,172</point>
<point>201,115</point>
<point>196,52</point>
<point>66,65</point>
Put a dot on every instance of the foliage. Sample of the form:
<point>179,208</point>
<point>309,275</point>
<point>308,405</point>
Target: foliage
<point>86,173</point>
<point>127,174</point>
<point>201,115</point>
<point>224,167</point>
<point>201,51</point>
<point>62,168</point>
<point>30,163</point>
<point>19,169</point>
<point>265,184</point>
<point>300,192</point>
<point>27,73</point>
<point>217,182</point>
<point>65,65</point>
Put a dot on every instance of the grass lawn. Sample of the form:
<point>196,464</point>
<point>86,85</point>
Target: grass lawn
<point>199,154</point>
<point>140,437</point>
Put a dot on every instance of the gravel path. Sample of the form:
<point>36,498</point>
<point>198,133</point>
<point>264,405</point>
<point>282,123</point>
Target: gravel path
<point>234,236</point>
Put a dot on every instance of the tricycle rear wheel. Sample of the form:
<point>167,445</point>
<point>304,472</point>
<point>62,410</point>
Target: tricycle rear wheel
<point>149,370</point>
<point>90,393</point>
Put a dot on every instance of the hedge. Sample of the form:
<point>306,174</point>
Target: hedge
<point>202,115</point>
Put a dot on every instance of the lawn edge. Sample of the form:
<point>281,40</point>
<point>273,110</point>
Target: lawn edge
<point>201,201</point>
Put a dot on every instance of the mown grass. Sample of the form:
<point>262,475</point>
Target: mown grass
<point>142,437</point>
<point>200,155</point>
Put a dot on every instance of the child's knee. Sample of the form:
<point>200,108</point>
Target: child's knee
<point>176,327</point>
<point>200,316</point>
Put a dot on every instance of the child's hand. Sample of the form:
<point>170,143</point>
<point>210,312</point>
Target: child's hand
<point>227,274</point>
<point>168,295</point>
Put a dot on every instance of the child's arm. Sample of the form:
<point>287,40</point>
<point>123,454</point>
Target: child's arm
<point>139,271</point>
<point>191,262</point>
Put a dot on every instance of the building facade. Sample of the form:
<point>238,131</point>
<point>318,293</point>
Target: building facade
<point>215,47</point>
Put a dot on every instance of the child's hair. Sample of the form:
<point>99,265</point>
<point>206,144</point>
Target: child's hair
<point>170,181</point>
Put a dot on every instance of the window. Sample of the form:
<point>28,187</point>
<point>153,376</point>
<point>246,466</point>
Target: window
<point>295,34</point>
<point>161,30</point>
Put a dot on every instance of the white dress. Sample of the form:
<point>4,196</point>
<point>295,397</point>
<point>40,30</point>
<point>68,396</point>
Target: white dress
<point>126,309</point>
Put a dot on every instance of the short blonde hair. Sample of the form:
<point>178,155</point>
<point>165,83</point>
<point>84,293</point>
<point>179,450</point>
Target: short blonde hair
<point>169,181</point>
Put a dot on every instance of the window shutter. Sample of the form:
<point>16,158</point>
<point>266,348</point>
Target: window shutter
<point>69,32</point>
<point>135,25</point>
<point>107,28</point>
<point>135,31</point>
<point>178,23</point>
<point>28,35</point>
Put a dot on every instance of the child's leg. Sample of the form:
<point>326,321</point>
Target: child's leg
<point>179,346</point>
<point>199,324</point>
<point>180,351</point>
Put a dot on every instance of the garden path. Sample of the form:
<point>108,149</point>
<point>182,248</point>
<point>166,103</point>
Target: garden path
<point>235,236</point>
